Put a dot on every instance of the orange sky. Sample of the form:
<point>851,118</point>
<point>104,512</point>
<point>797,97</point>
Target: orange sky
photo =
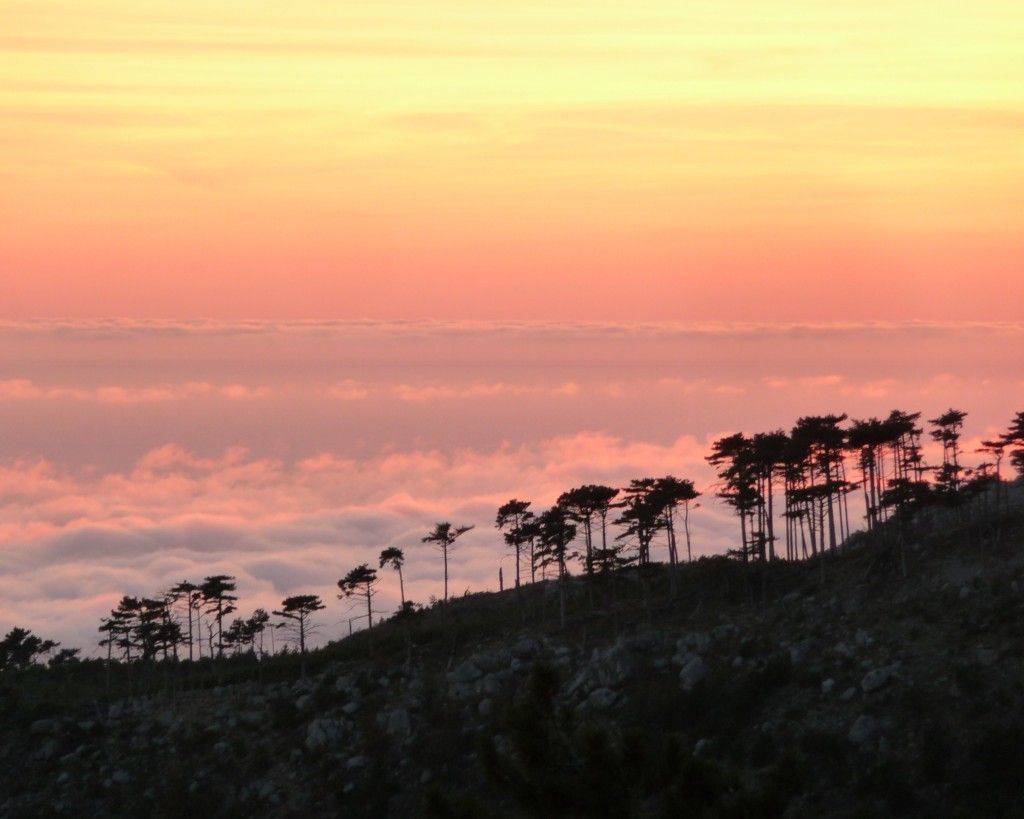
<point>748,160</point>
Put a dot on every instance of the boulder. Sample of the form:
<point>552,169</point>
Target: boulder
<point>693,673</point>
<point>864,730</point>
<point>601,699</point>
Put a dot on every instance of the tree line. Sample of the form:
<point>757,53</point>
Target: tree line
<point>799,480</point>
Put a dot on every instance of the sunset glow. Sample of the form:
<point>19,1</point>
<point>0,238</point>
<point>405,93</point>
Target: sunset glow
<point>652,161</point>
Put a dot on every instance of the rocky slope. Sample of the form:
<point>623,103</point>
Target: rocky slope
<point>844,692</point>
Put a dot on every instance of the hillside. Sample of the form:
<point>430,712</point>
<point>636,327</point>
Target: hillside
<point>823,688</point>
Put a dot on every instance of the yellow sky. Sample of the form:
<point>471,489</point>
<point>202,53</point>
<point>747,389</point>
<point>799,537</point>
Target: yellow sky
<point>498,159</point>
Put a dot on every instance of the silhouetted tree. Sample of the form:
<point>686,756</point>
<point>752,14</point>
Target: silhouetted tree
<point>1014,437</point>
<point>296,612</point>
<point>948,428</point>
<point>555,532</point>
<point>20,648</point>
<point>217,595</point>
<point>581,505</point>
<point>511,518</point>
<point>641,516</point>
<point>738,483</point>
<point>191,597</point>
<point>395,558</point>
<point>360,582</point>
<point>444,536</point>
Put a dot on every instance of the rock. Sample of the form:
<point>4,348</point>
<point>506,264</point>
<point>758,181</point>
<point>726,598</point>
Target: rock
<point>490,684</point>
<point>828,685</point>
<point>695,641</point>
<point>43,726</point>
<point>843,649</point>
<point>485,708</point>
<point>800,653</point>
<point>864,730</point>
<point>350,708</point>
<point>580,683</point>
<point>120,777</point>
<point>251,719</point>
<point>965,592</point>
<point>525,648</point>
<point>875,679</point>
<point>601,699</point>
<point>465,673</point>
<point>323,734</point>
<point>862,638</point>
<point>398,723</point>
<point>693,673</point>
<point>737,662</point>
<point>357,763</point>
<point>848,694</point>
<point>723,631</point>
<point>303,701</point>
<point>615,666</point>
<point>701,746</point>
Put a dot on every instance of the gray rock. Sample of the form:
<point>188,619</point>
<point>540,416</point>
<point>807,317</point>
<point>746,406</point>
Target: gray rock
<point>693,673</point>
<point>614,667</point>
<point>601,699</point>
<point>303,701</point>
<point>357,763</point>
<point>251,719</point>
<point>864,730</point>
<point>828,685</point>
<point>350,708</point>
<point>525,648</point>
<point>43,726</point>
<point>465,673</point>
<point>490,684</point>
<point>398,723</point>
<point>802,652</point>
<point>486,707</point>
<point>848,694</point>
<point>875,679</point>
<point>324,734</point>
<point>696,641</point>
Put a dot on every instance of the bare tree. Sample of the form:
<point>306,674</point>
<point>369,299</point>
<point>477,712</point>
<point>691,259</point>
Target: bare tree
<point>444,536</point>
<point>395,558</point>
<point>360,582</point>
<point>296,612</point>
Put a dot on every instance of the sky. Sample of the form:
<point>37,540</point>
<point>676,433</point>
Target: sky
<point>282,284</point>
<point>745,160</point>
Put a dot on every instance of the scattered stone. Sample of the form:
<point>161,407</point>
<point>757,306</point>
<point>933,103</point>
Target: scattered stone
<point>863,730</point>
<point>465,673</point>
<point>398,723</point>
<point>875,679</point>
<point>848,694</point>
<point>693,673</point>
<point>601,699</point>
<point>828,685</point>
